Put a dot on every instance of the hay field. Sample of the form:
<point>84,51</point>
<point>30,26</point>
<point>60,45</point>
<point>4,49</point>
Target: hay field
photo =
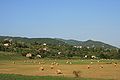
<point>109,70</point>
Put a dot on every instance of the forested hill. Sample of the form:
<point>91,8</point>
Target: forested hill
<point>57,41</point>
<point>33,40</point>
<point>88,43</point>
<point>57,48</point>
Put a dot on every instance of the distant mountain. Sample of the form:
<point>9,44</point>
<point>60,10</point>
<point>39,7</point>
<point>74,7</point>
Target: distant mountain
<point>88,43</point>
<point>92,43</point>
<point>33,40</point>
<point>57,41</point>
<point>71,42</point>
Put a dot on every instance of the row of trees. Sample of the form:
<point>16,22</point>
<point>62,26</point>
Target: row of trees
<point>57,50</point>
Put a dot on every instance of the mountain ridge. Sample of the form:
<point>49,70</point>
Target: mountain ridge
<point>88,43</point>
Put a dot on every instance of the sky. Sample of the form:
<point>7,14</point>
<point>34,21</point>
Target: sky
<point>68,19</point>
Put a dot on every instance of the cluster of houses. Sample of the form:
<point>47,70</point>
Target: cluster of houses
<point>82,46</point>
<point>77,46</point>
<point>7,42</point>
<point>92,57</point>
<point>28,55</point>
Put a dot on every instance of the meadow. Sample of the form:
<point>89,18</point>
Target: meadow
<point>15,67</point>
<point>31,69</point>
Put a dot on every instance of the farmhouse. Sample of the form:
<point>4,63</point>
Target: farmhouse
<point>93,57</point>
<point>44,44</point>
<point>85,56</point>
<point>39,56</point>
<point>6,44</point>
<point>28,55</point>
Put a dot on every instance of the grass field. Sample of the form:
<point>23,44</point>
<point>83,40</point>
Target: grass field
<point>32,69</point>
<point>23,77</point>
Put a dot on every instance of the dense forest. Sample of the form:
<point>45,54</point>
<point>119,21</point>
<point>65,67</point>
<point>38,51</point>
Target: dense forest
<point>35,48</point>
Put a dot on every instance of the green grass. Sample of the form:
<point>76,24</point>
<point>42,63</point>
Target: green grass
<point>14,56</point>
<point>77,61</point>
<point>21,77</point>
<point>10,56</point>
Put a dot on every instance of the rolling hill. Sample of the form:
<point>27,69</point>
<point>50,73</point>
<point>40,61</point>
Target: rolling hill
<point>57,41</point>
<point>88,43</point>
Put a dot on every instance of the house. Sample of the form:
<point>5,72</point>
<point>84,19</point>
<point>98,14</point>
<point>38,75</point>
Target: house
<point>6,44</point>
<point>29,55</point>
<point>93,57</point>
<point>44,44</point>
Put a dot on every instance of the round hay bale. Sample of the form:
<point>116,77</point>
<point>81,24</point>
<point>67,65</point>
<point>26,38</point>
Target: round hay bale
<point>88,66</point>
<point>41,68</point>
<point>59,71</point>
<point>51,66</point>
<point>101,66</point>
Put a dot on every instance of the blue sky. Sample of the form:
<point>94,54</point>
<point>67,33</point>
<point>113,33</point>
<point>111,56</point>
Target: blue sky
<point>68,19</point>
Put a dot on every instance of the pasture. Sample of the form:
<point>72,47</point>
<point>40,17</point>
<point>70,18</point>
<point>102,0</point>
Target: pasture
<point>98,69</point>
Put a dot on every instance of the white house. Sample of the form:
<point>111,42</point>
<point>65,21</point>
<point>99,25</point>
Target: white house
<point>59,53</point>
<point>44,44</point>
<point>44,49</point>
<point>93,57</point>
<point>39,56</point>
<point>29,55</point>
<point>6,44</point>
<point>85,56</point>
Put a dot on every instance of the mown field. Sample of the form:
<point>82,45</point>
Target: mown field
<point>31,69</point>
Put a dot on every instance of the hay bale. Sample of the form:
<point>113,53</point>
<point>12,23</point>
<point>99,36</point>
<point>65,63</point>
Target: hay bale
<point>91,62</point>
<point>52,63</point>
<point>70,62</point>
<point>51,66</point>
<point>115,64</point>
<point>39,62</point>
<point>101,66</point>
<point>57,63</point>
<point>41,68</point>
<point>59,71</point>
<point>13,62</point>
<point>67,62</point>
<point>98,61</point>
<point>88,66</point>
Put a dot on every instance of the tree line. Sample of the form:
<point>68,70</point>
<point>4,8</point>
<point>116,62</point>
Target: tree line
<point>57,50</point>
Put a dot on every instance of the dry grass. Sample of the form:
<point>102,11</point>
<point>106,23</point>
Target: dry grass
<point>109,71</point>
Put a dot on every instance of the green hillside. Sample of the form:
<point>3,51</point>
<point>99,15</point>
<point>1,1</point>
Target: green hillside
<point>10,56</point>
<point>33,40</point>
<point>57,41</point>
<point>89,43</point>
<point>57,48</point>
